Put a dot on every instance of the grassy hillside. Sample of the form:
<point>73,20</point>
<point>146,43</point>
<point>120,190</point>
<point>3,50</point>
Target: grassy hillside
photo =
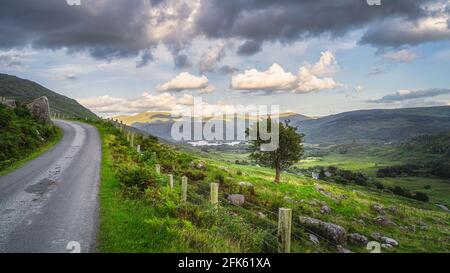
<point>376,125</point>
<point>22,137</point>
<point>147,117</point>
<point>25,91</point>
<point>139,213</point>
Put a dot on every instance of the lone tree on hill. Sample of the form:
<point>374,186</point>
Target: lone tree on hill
<point>289,151</point>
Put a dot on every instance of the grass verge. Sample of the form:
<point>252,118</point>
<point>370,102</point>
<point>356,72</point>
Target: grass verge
<point>35,154</point>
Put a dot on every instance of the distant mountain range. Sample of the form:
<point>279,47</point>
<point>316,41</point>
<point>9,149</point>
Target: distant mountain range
<point>26,91</point>
<point>364,126</point>
<point>368,126</point>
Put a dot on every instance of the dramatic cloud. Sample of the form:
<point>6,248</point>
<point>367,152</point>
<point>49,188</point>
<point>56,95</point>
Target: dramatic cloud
<point>249,48</point>
<point>404,95</point>
<point>398,31</point>
<point>144,103</point>
<point>289,20</point>
<point>310,78</point>
<point>210,59</point>
<point>400,56</point>
<point>184,81</point>
<point>122,29</point>
<point>106,29</point>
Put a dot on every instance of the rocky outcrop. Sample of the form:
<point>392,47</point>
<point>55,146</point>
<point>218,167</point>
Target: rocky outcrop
<point>8,102</point>
<point>389,241</point>
<point>236,199</point>
<point>40,109</point>
<point>357,239</point>
<point>330,231</point>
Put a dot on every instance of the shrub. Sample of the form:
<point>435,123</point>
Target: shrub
<point>20,134</point>
<point>402,192</point>
<point>139,177</point>
<point>421,196</point>
<point>220,178</point>
<point>195,175</point>
<point>149,156</point>
<point>378,185</point>
<point>427,187</point>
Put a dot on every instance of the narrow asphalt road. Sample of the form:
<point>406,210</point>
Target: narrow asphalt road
<point>51,203</point>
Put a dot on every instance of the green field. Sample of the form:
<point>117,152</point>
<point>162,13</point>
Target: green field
<point>369,160</point>
<point>155,220</point>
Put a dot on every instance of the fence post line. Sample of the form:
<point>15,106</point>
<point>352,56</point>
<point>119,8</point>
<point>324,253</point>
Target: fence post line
<point>284,230</point>
<point>158,168</point>
<point>184,185</point>
<point>132,139</point>
<point>214,193</point>
<point>171,181</point>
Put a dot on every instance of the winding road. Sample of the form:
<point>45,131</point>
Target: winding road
<point>51,203</point>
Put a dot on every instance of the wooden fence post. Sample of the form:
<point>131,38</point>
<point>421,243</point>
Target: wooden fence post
<point>138,148</point>
<point>184,185</point>
<point>171,181</point>
<point>214,193</point>
<point>284,230</point>
<point>132,139</point>
<point>158,168</point>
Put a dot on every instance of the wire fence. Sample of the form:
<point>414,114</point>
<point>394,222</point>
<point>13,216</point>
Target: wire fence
<point>199,196</point>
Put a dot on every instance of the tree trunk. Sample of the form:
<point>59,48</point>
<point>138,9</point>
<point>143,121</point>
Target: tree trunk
<point>277,174</point>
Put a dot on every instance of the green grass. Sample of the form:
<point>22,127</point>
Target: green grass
<point>138,224</point>
<point>122,221</point>
<point>439,192</point>
<point>368,162</point>
<point>358,161</point>
<point>134,226</point>
<point>409,214</point>
<point>35,154</point>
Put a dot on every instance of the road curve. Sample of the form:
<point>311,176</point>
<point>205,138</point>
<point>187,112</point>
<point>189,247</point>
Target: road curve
<point>51,203</point>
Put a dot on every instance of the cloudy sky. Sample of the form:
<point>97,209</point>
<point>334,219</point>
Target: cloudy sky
<point>314,57</point>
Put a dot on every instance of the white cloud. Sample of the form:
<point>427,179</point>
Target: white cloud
<point>310,78</point>
<point>309,82</point>
<point>275,78</point>
<point>326,66</point>
<point>400,56</point>
<point>146,102</point>
<point>184,81</point>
